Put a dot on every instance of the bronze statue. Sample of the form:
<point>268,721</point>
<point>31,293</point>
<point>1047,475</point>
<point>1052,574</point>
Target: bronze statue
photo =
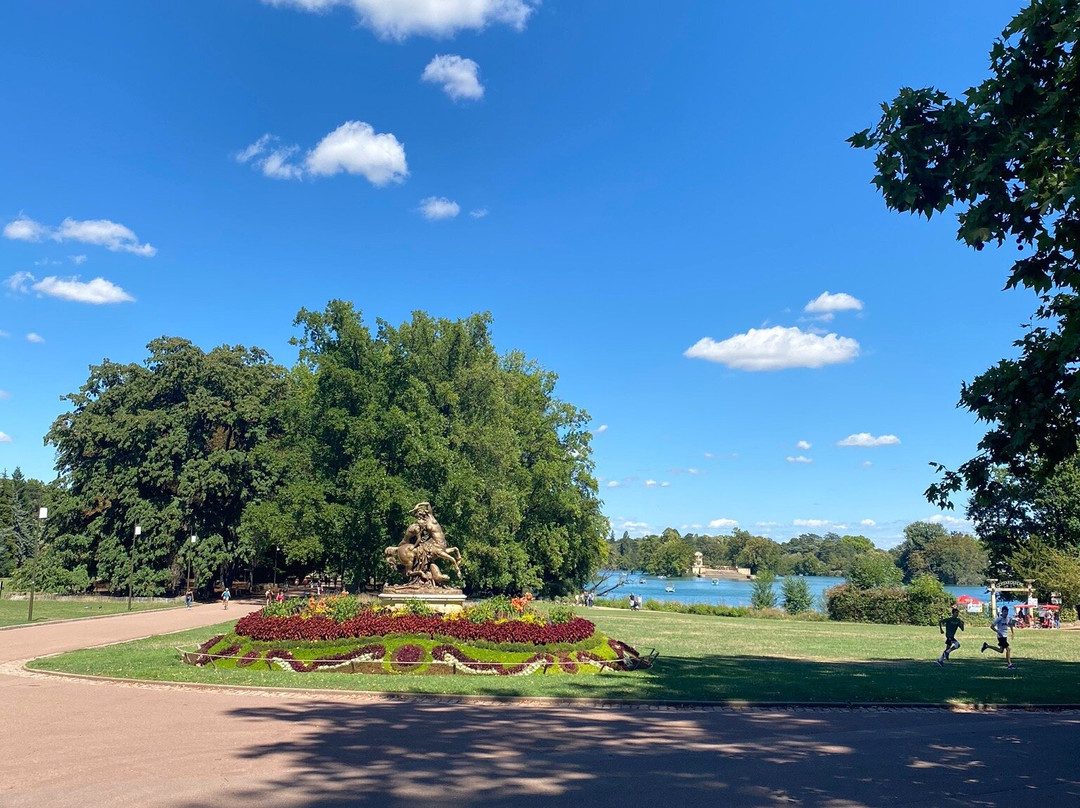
<point>423,545</point>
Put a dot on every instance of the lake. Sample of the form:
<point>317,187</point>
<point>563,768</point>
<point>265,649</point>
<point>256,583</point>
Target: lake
<point>736,593</point>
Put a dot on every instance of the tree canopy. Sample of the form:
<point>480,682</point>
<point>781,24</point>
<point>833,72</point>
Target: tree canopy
<point>1005,155</point>
<point>324,462</point>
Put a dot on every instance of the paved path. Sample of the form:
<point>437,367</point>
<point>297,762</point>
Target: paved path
<point>75,743</point>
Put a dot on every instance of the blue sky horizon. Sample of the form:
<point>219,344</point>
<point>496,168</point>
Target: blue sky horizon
<point>655,203</point>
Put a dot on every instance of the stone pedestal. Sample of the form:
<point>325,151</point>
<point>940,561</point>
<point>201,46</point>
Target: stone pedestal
<point>444,601</point>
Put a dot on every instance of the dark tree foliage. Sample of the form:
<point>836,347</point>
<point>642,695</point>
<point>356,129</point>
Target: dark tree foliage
<point>172,446</point>
<point>1006,156</point>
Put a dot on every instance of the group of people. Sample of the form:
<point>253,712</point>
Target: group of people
<point>272,596</point>
<point>635,602</point>
<point>1002,628</point>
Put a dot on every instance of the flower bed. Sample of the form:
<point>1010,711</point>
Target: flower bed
<point>414,655</point>
<point>501,636</point>
<point>374,624</point>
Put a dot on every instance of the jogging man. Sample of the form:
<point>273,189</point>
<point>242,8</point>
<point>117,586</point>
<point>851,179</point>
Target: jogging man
<point>948,627</point>
<point>1002,627</point>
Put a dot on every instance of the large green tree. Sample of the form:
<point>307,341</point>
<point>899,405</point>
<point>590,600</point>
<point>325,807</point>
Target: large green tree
<point>929,549</point>
<point>429,411</point>
<point>171,445</point>
<point>1005,156</point>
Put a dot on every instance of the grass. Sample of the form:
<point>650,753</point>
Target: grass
<point>13,612</point>
<point>702,658</point>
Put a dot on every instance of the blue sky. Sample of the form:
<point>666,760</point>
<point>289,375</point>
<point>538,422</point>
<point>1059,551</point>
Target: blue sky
<point>648,197</point>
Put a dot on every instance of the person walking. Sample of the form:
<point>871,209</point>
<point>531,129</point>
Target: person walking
<point>1002,627</point>
<point>948,627</point>
<point>225,597</point>
<point>188,598</point>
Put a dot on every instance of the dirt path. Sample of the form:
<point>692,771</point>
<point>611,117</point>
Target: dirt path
<point>74,743</point>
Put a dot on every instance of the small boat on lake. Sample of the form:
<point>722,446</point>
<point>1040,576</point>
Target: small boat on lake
<point>715,581</point>
<point>669,588</point>
<point>641,580</point>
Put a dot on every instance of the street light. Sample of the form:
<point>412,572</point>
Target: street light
<point>276,551</point>
<point>43,514</point>
<point>190,555</point>
<point>131,567</point>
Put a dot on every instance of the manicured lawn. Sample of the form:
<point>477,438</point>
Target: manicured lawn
<point>13,612</point>
<point>702,658</point>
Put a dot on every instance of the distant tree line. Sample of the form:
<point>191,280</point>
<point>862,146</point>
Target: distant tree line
<point>928,548</point>
<point>314,468</point>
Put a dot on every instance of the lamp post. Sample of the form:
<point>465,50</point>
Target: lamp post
<point>189,560</point>
<point>43,514</point>
<point>131,567</point>
<point>276,551</point>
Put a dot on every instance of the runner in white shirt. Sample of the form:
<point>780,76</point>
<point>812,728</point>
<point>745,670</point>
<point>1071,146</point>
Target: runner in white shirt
<point>1002,626</point>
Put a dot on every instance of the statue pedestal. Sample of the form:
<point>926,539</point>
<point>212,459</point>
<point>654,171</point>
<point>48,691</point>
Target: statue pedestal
<point>444,601</point>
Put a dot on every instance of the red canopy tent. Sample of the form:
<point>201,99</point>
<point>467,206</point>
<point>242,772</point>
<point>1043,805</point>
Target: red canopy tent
<point>968,599</point>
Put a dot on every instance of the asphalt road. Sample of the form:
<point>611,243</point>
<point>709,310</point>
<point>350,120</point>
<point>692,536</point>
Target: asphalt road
<point>67,742</point>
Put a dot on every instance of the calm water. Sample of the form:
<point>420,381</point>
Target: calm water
<point>735,593</point>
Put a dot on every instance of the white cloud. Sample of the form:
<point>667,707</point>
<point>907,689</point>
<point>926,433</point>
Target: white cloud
<point>724,523</point>
<point>826,305</point>
<point>866,464</point>
<point>439,207</point>
<point>478,213</point>
<point>775,348</point>
<point>945,519</point>
<point>651,483</point>
<point>613,484</point>
<point>101,232</point>
<point>352,148</point>
<point>77,259</point>
<point>810,522</point>
<point>19,282</point>
<point>866,440</point>
<point>96,292</point>
<point>600,430</point>
<point>665,485</point>
<point>24,228</point>
<point>33,337</point>
<point>799,459</point>
<point>5,438</point>
<point>766,524</point>
<point>458,76</point>
<point>399,19</point>
<point>803,444</point>
<point>868,523</point>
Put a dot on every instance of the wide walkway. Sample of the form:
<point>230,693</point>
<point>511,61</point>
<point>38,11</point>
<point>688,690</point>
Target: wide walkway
<point>75,743</point>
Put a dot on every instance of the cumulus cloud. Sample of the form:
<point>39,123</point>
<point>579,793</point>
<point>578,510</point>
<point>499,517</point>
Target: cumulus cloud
<point>665,484</point>
<point>651,483</point>
<point>826,305</point>
<point>799,459</point>
<point>96,292</point>
<point>868,523</point>
<point>613,484</point>
<point>866,440</point>
<point>19,282</point>
<point>400,19</point>
<point>600,430</point>
<point>24,228</point>
<point>803,444</point>
<point>722,523</point>
<point>434,208</point>
<point>5,437</point>
<point>766,524</point>
<point>100,232</point>
<point>810,522</point>
<point>478,213</point>
<point>775,348</point>
<point>353,148</point>
<point>459,77</point>
<point>945,519</point>
<point>34,337</point>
